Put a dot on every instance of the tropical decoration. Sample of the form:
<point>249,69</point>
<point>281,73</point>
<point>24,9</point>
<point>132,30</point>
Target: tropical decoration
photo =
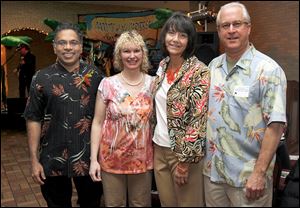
<point>155,54</point>
<point>11,41</point>
<point>4,83</point>
<point>95,53</point>
<point>53,25</point>
<point>162,15</point>
<point>8,41</point>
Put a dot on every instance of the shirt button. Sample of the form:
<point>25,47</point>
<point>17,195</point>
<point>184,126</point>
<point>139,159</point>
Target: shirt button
<point>70,113</point>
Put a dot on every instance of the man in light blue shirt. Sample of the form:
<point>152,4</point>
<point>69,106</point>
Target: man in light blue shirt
<point>247,113</point>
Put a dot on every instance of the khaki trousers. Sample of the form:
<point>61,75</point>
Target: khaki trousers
<point>115,187</point>
<point>170,194</point>
<point>223,195</point>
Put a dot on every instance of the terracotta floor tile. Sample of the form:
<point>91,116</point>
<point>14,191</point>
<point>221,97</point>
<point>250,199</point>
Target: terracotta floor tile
<point>20,199</point>
<point>30,197</point>
<point>29,204</point>
<point>7,196</point>
<point>17,186</point>
<point>11,203</point>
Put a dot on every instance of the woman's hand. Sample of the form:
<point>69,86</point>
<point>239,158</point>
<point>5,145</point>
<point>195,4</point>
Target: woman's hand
<point>181,173</point>
<point>95,171</point>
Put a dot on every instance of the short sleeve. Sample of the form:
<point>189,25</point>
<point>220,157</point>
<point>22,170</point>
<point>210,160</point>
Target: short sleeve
<point>103,89</point>
<point>274,99</point>
<point>36,102</point>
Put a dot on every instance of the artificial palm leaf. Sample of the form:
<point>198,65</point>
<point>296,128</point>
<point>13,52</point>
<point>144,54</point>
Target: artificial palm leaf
<point>50,36</point>
<point>15,40</point>
<point>82,26</point>
<point>51,23</point>
<point>25,38</point>
<point>161,15</point>
<point>157,24</point>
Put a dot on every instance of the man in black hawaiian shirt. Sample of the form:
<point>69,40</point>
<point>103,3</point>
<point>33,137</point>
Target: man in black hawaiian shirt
<point>59,114</point>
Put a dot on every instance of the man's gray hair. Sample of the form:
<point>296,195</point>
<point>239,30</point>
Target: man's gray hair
<point>234,4</point>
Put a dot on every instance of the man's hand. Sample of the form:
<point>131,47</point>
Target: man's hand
<point>38,174</point>
<point>255,186</point>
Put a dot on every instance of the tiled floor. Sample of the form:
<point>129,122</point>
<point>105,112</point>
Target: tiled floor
<point>17,187</point>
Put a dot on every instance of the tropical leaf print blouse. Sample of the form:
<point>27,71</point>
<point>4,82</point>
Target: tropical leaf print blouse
<point>126,142</point>
<point>187,106</point>
<point>64,103</point>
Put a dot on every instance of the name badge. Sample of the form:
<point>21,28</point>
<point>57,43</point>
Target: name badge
<point>241,91</point>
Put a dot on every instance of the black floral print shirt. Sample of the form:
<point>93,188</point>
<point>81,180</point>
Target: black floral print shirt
<point>64,103</point>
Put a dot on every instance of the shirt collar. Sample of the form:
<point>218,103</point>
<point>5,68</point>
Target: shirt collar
<point>61,67</point>
<point>245,60</point>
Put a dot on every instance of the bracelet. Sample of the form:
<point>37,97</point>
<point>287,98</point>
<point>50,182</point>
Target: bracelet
<point>181,170</point>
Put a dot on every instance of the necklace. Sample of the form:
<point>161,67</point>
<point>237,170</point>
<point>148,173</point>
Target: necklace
<point>172,74</point>
<point>132,84</point>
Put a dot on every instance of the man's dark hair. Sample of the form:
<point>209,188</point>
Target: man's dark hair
<point>180,23</point>
<point>22,45</point>
<point>69,26</point>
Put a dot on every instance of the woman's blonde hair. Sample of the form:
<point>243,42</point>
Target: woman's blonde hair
<point>130,37</point>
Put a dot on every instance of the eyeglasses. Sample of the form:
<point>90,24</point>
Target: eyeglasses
<point>235,25</point>
<point>63,43</point>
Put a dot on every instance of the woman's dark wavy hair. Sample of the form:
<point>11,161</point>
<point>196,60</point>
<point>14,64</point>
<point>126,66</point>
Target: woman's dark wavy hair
<point>181,23</point>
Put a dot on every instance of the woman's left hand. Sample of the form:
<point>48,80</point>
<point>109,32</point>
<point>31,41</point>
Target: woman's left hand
<point>181,173</point>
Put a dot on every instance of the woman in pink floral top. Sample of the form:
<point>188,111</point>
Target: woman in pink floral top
<point>121,139</point>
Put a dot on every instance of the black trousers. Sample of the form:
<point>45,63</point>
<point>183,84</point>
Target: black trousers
<point>24,85</point>
<point>57,191</point>
<point>3,86</point>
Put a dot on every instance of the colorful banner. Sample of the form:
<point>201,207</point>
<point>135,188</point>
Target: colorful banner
<point>107,27</point>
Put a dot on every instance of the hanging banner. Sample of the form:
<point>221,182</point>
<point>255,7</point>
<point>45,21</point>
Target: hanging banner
<point>107,27</point>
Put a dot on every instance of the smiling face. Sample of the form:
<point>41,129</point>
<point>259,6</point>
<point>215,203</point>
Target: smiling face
<point>176,42</point>
<point>234,30</point>
<point>131,56</point>
<point>68,48</point>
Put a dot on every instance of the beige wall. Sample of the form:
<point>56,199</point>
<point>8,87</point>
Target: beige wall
<point>30,14</point>
<point>275,31</point>
<point>275,26</point>
<point>15,14</point>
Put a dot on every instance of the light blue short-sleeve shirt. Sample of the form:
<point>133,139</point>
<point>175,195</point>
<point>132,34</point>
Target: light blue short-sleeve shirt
<point>241,105</point>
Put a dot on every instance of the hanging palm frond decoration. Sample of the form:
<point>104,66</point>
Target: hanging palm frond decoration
<point>53,25</point>
<point>162,15</point>
<point>12,41</point>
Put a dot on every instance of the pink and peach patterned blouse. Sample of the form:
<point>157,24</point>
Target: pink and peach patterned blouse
<point>126,143</point>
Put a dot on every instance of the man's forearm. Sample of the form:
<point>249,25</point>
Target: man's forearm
<point>33,134</point>
<point>268,148</point>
